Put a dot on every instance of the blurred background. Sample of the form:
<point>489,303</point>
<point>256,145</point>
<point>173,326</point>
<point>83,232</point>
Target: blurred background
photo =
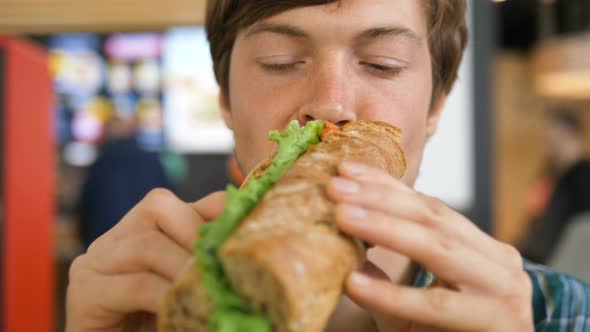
<point>102,101</point>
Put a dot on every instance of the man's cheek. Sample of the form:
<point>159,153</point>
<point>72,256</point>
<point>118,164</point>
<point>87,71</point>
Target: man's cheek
<point>253,149</point>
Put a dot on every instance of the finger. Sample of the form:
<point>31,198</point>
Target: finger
<point>151,251</point>
<point>162,211</point>
<point>132,292</point>
<point>378,191</point>
<point>369,174</point>
<point>122,293</point>
<point>450,221</point>
<point>211,206</point>
<point>377,196</point>
<point>443,255</point>
<point>389,262</point>
<point>437,307</point>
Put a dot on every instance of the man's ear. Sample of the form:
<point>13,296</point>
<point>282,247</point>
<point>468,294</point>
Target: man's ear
<point>435,113</point>
<point>223,102</point>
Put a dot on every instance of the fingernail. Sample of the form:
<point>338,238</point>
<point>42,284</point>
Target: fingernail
<point>345,186</point>
<point>359,279</point>
<point>354,212</point>
<point>353,168</point>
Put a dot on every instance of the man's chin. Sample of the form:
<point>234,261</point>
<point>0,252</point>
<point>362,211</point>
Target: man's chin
<point>248,159</point>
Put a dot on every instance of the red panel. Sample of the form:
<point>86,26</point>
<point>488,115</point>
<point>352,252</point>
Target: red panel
<point>29,190</point>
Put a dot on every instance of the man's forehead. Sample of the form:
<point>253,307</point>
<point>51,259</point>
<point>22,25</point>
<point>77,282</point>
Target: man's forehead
<point>360,19</point>
<point>369,34</point>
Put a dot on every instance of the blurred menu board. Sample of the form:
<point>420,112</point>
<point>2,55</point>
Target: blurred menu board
<point>100,78</point>
<point>163,81</point>
<point>134,83</point>
<point>192,118</point>
<point>78,71</point>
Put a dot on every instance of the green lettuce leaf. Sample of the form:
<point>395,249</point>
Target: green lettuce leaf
<point>231,313</point>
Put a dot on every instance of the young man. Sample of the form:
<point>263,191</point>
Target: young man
<point>388,60</point>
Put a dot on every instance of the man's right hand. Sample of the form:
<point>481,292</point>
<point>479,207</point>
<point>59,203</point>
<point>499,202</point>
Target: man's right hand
<point>121,281</point>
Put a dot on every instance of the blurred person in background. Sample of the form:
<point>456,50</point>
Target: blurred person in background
<point>562,191</point>
<point>121,176</point>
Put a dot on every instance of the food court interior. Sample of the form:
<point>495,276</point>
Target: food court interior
<point>76,76</point>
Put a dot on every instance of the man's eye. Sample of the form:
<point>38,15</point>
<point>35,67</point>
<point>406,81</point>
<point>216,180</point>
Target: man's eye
<point>382,69</point>
<point>278,67</point>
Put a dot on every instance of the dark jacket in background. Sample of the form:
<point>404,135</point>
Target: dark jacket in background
<point>570,198</point>
<point>121,176</point>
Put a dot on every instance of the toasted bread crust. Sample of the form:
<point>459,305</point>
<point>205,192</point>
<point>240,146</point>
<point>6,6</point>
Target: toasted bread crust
<point>186,306</point>
<point>287,258</point>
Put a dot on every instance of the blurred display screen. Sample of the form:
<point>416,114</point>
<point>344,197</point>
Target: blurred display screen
<point>192,118</point>
<point>78,71</point>
<point>76,64</point>
<point>163,81</point>
<point>100,78</point>
<point>133,47</point>
<point>134,85</point>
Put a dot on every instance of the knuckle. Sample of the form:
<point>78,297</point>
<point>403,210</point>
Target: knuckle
<point>371,192</point>
<point>157,197</point>
<point>159,194</point>
<point>444,246</point>
<point>518,277</point>
<point>140,248</point>
<point>520,286</point>
<point>76,267</point>
<point>438,299</point>
<point>156,201</point>
<point>92,247</point>
<point>142,284</point>
<point>435,209</point>
<point>97,244</point>
<point>146,286</point>
<point>79,277</point>
<point>513,257</point>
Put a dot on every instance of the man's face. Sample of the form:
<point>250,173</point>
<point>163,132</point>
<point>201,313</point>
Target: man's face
<point>357,60</point>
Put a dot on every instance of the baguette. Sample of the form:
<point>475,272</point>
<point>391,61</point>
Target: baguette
<point>287,259</point>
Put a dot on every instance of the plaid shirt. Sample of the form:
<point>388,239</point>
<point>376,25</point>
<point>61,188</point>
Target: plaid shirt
<point>560,303</point>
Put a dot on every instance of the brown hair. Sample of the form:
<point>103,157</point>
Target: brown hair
<point>446,25</point>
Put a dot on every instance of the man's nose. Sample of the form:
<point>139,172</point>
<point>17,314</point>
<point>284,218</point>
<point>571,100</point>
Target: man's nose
<point>329,95</point>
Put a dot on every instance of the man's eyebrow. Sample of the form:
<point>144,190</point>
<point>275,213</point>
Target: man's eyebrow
<point>282,29</point>
<point>387,32</point>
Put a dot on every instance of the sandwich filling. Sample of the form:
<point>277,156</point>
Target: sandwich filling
<point>231,313</point>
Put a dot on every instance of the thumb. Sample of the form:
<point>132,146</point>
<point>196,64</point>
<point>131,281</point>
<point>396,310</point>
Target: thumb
<point>384,322</point>
<point>211,206</point>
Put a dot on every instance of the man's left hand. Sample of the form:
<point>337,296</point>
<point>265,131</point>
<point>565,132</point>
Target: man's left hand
<point>481,284</point>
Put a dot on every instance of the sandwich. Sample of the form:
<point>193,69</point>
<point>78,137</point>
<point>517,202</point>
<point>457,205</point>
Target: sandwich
<point>275,260</point>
